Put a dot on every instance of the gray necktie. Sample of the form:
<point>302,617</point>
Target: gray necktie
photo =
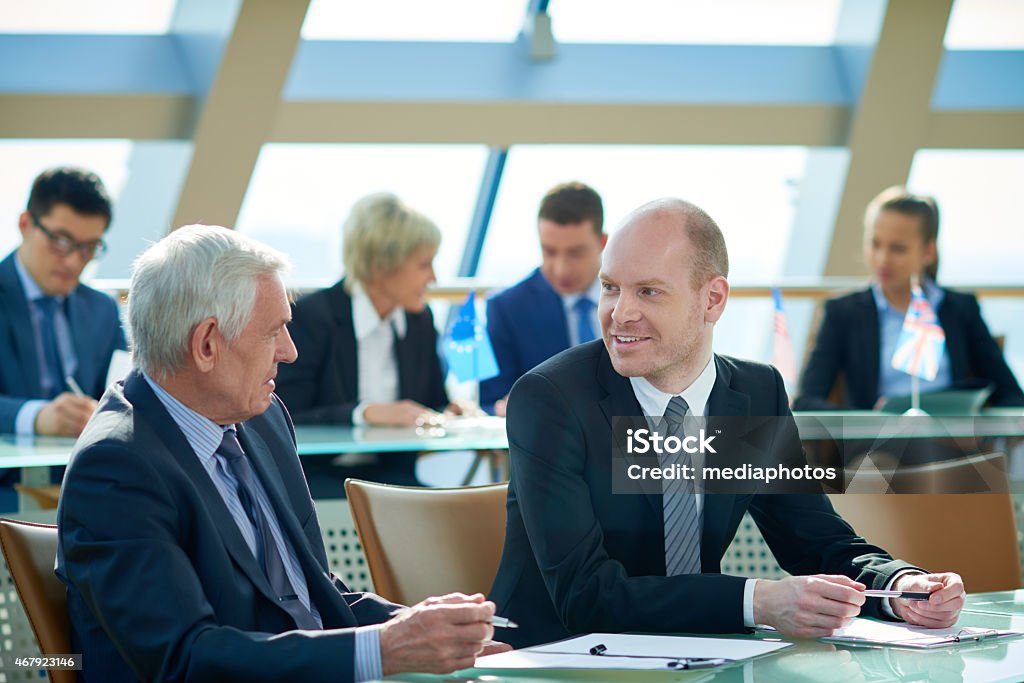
<point>267,552</point>
<point>679,502</point>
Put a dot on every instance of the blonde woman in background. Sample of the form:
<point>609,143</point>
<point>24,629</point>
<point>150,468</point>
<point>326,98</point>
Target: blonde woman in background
<point>367,345</point>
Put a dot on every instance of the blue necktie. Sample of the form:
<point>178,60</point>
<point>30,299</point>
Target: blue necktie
<point>54,370</point>
<point>267,552</point>
<point>679,502</point>
<point>584,328</point>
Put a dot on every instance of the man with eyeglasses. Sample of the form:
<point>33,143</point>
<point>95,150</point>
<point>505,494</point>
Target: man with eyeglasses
<point>56,335</point>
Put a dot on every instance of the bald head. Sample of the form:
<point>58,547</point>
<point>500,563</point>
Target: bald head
<point>660,222</point>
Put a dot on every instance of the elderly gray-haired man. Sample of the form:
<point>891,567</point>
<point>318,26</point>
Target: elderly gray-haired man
<point>188,540</point>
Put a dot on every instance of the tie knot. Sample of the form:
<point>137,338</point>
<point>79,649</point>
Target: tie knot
<point>583,305</point>
<point>229,447</point>
<point>46,304</point>
<point>677,408</point>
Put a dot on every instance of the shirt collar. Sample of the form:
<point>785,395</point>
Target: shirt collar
<point>32,290</point>
<point>203,434</point>
<point>364,316</point>
<point>932,293</point>
<point>593,292</point>
<point>654,401</point>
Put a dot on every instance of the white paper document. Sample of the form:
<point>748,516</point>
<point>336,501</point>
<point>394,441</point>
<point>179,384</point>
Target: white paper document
<point>871,632</point>
<point>625,651</point>
<point>120,366</point>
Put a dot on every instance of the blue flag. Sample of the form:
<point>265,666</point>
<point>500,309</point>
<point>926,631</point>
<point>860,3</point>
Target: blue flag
<point>467,347</point>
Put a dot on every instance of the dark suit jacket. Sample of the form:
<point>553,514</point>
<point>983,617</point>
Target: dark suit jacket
<point>322,386</point>
<point>527,325</point>
<point>95,332</point>
<point>161,585</point>
<point>848,342</point>
<point>579,558</point>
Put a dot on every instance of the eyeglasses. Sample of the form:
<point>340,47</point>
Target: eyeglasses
<point>65,245</point>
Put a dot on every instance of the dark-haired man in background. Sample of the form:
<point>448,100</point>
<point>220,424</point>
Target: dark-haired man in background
<point>556,306</point>
<point>54,327</point>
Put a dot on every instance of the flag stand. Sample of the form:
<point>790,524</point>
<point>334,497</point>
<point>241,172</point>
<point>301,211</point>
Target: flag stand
<point>915,397</point>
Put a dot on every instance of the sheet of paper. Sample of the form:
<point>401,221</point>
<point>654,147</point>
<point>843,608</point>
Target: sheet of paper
<point>645,652</point>
<point>891,633</point>
<point>120,366</point>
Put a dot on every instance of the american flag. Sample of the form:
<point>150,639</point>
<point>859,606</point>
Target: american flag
<point>783,357</point>
<point>921,342</point>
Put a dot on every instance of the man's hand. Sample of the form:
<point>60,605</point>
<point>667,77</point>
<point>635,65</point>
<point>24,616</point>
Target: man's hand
<point>941,609</point>
<point>65,415</point>
<point>439,635</point>
<point>403,413</point>
<point>808,606</point>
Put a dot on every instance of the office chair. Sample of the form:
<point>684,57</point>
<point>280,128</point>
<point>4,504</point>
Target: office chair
<point>972,534</point>
<point>421,542</point>
<point>30,550</point>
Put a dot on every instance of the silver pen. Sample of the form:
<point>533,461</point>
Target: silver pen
<point>502,622</point>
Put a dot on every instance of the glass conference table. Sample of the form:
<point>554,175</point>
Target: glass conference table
<point>485,436</point>
<point>813,661</point>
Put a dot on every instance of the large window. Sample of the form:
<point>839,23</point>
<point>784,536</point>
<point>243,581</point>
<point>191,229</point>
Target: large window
<point>780,22</point>
<point>981,234</point>
<point>750,191</point>
<point>85,16</point>
<point>986,25</point>
<point>301,193</point>
<point>450,20</point>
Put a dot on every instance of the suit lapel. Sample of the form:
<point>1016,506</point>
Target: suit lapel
<point>550,314</point>
<point>83,339</point>
<point>149,408</point>
<point>867,340</point>
<point>341,306</point>
<point>21,335</point>
<point>620,401</point>
<point>724,402</point>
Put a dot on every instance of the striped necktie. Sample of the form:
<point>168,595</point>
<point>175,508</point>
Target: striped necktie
<point>679,501</point>
<point>267,552</point>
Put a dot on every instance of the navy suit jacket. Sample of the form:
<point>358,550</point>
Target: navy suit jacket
<point>161,584</point>
<point>527,325</point>
<point>848,342</point>
<point>322,386</point>
<point>95,332</point>
<point>579,558</point>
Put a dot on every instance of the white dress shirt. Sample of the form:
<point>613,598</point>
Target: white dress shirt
<point>375,339</point>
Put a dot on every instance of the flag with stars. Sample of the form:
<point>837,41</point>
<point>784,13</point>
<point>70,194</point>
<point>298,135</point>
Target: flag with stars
<point>467,347</point>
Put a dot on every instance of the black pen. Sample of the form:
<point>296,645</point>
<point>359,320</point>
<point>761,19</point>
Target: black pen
<point>686,663</point>
<point>902,595</point>
<point>697,663</point>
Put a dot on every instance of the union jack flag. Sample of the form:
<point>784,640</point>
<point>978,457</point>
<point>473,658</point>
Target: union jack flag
<point>921,342</point>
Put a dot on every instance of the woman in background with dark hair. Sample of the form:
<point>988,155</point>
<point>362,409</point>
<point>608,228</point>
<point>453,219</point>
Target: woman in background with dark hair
<point>859,331</point>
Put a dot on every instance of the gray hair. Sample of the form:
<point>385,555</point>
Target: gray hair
<point>194,273</point>
<point>381,232</point>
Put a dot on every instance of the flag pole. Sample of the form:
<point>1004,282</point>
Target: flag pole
<point>915,381</point>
